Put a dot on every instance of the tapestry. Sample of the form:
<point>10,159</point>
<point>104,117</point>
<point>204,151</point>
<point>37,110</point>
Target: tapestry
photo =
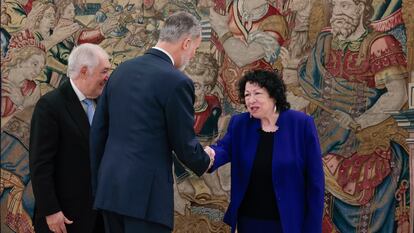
<point>348,84</point>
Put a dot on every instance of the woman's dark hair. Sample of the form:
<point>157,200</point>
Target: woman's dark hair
<point>271,81</point>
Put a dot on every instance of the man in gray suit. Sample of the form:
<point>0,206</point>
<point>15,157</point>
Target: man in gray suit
<point>144,114</point>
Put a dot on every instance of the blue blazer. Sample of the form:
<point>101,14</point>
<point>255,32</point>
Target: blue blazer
<point>298,178</point>
<point>144,113</point>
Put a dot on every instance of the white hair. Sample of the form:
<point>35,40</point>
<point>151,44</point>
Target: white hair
<point>84,55</point>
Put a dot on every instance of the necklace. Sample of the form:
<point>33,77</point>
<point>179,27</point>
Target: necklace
<point>271,127</point>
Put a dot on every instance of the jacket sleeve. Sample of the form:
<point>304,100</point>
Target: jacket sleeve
<point>179,113</point>
<point>223,148</point>
<point>98,136</point>
<point>314,180</point>
<point>44,145</point>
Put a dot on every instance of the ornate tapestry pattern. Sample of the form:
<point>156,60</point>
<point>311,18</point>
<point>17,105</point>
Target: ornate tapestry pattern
<point>345,62</point>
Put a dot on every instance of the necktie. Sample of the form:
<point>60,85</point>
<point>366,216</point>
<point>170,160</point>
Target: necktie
<point>90,109</point>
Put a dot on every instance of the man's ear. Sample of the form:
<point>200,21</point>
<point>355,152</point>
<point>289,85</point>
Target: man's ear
<point>83,71</point>
<point>186,43</point>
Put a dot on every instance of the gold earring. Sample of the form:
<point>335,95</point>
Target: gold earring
<point>275,109</point>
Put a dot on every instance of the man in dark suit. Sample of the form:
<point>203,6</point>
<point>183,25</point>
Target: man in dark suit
<point>145,113</point>
<point>59,146</point>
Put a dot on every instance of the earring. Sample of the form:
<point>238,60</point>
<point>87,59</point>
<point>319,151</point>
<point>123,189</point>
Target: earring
<point>275,109</point>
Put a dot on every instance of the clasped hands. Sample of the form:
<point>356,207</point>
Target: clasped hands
<point>211,153</point>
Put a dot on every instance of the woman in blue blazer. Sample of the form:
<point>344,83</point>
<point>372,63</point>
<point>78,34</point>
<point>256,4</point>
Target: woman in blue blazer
<point>277,180</point>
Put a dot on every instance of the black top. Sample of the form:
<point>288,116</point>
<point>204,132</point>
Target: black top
<point>260,199</point>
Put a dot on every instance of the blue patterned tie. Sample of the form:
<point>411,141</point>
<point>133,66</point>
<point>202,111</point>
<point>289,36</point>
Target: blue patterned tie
<point>90,109</point>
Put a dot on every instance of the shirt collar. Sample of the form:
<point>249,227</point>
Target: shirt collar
<point>80,95</point>
<point>168,54</point>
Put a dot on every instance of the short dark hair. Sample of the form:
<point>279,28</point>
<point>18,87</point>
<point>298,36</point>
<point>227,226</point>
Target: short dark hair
<point>271,81</point>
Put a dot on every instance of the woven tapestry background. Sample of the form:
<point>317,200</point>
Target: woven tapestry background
<point>329,75</point>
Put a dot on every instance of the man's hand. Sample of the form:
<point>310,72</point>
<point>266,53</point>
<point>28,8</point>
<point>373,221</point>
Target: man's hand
<point>210,151</point>
<point>57,221</point>
<point>212,154</point>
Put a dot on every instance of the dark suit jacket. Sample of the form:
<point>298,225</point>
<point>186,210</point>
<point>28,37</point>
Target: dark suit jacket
<point>145,113</point>
<point>297,173</point>
<point>59,160</point>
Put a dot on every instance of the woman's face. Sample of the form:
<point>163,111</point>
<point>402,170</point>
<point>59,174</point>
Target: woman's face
<point>258,102</point>
<point>69,12</point>
<point>33,66</point>
<point>48,19</point>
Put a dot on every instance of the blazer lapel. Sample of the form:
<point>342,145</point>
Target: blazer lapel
<point>250,143</point>
<point>75,109</point>
<point>278,147</point>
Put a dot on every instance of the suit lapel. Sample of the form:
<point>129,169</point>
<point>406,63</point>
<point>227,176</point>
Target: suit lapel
<point>250,142</point>
<point>278,147</point>
<point>75,109</point>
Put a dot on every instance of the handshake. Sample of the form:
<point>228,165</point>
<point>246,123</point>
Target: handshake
<point>211,153</point>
